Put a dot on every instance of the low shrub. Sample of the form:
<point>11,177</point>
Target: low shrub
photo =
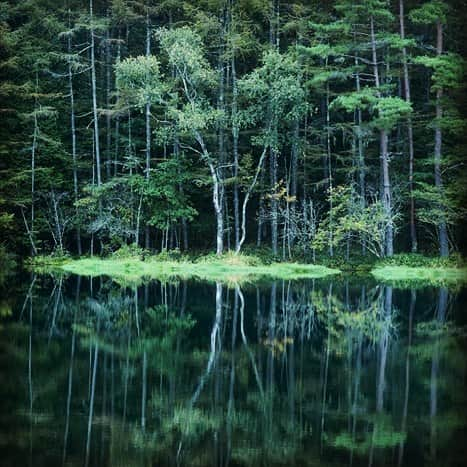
<point>170,255</point>
<point>129,251</point>
<point>55,258</point>
<point>231,258</point>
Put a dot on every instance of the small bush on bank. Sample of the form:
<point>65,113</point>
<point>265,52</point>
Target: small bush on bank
<point>170,255</point>
<point>129,251</point>
<point>357,263</point>
<point>55,258</point>
<point>231,258</point>
<point>263,253</point>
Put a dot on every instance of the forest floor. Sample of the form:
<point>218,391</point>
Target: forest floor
<point>399,270</point>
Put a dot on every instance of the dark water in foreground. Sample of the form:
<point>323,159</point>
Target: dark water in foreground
<point>314,373</point>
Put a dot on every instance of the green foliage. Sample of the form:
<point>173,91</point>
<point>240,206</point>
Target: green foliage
<point>361,100</point>
<point>272,91</point>
<point>185,52</point>
<point>350,219</point>
<point>437,206</point>
<point>109,210</point>
<point>129,251</point>
<point>167,204</point>
<point>56,257</point>
<point>429,13</point>
<point>139,80</point>
<point>419,260</point>
<point>448,70</point>
<point>390,111</point>
<point>384,436</point>
<point>232,259</point>
<point>195,116</point>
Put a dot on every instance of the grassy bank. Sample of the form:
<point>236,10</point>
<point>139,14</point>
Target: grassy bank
<point>435,276</point>
<point>412,269</point>
<point>129,265</point>
<point>227,268</point>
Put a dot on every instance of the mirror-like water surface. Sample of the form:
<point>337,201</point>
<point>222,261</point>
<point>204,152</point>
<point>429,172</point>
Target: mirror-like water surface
<point>183,373</point>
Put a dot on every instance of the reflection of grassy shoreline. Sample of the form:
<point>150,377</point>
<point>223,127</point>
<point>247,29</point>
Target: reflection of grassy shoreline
<point>131,269</point>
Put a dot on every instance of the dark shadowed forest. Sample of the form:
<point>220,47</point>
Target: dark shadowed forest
<point>305,128</point>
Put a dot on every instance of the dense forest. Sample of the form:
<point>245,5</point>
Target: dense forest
<point>304,127</point>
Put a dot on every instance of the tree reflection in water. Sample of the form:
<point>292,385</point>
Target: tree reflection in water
<point>184,373</point>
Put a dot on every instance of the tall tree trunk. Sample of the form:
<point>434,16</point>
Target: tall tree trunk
<point>33,171</point>
<point>442,228</point>
<point>413,231</point>
<point>361,154</point>
<point>384,155</point>
<point>117,118</point>
<point>387,202</point>
<point>293,180</point>
<point>247,197</point>
<point>94,98</point>
<point>259,233</point>
<point>73,147</point>
<point>148,120</point>
<point>329,173</point>
<point>108,69</point>
<point>218,206</point>
<point>235,135</point>
<point>274,42</point>
<point>274,203</point>
<point>217,193</point>
<point>221,158</point>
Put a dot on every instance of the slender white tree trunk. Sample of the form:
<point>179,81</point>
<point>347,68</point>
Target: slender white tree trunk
<point>386,181</point>
<point>94,98</point>
<point>73,147</point>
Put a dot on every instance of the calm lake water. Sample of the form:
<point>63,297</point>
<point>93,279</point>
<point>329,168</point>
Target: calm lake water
<point>320,373</point>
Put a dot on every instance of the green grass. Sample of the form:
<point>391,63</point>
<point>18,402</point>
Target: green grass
<point>409,269</point>
<point>228,268</point>
<point>136,265</point>
<point>406,275</point>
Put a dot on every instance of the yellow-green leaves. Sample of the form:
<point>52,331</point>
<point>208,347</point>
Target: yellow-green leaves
<point>186,54</point>
<point>139,80</point>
